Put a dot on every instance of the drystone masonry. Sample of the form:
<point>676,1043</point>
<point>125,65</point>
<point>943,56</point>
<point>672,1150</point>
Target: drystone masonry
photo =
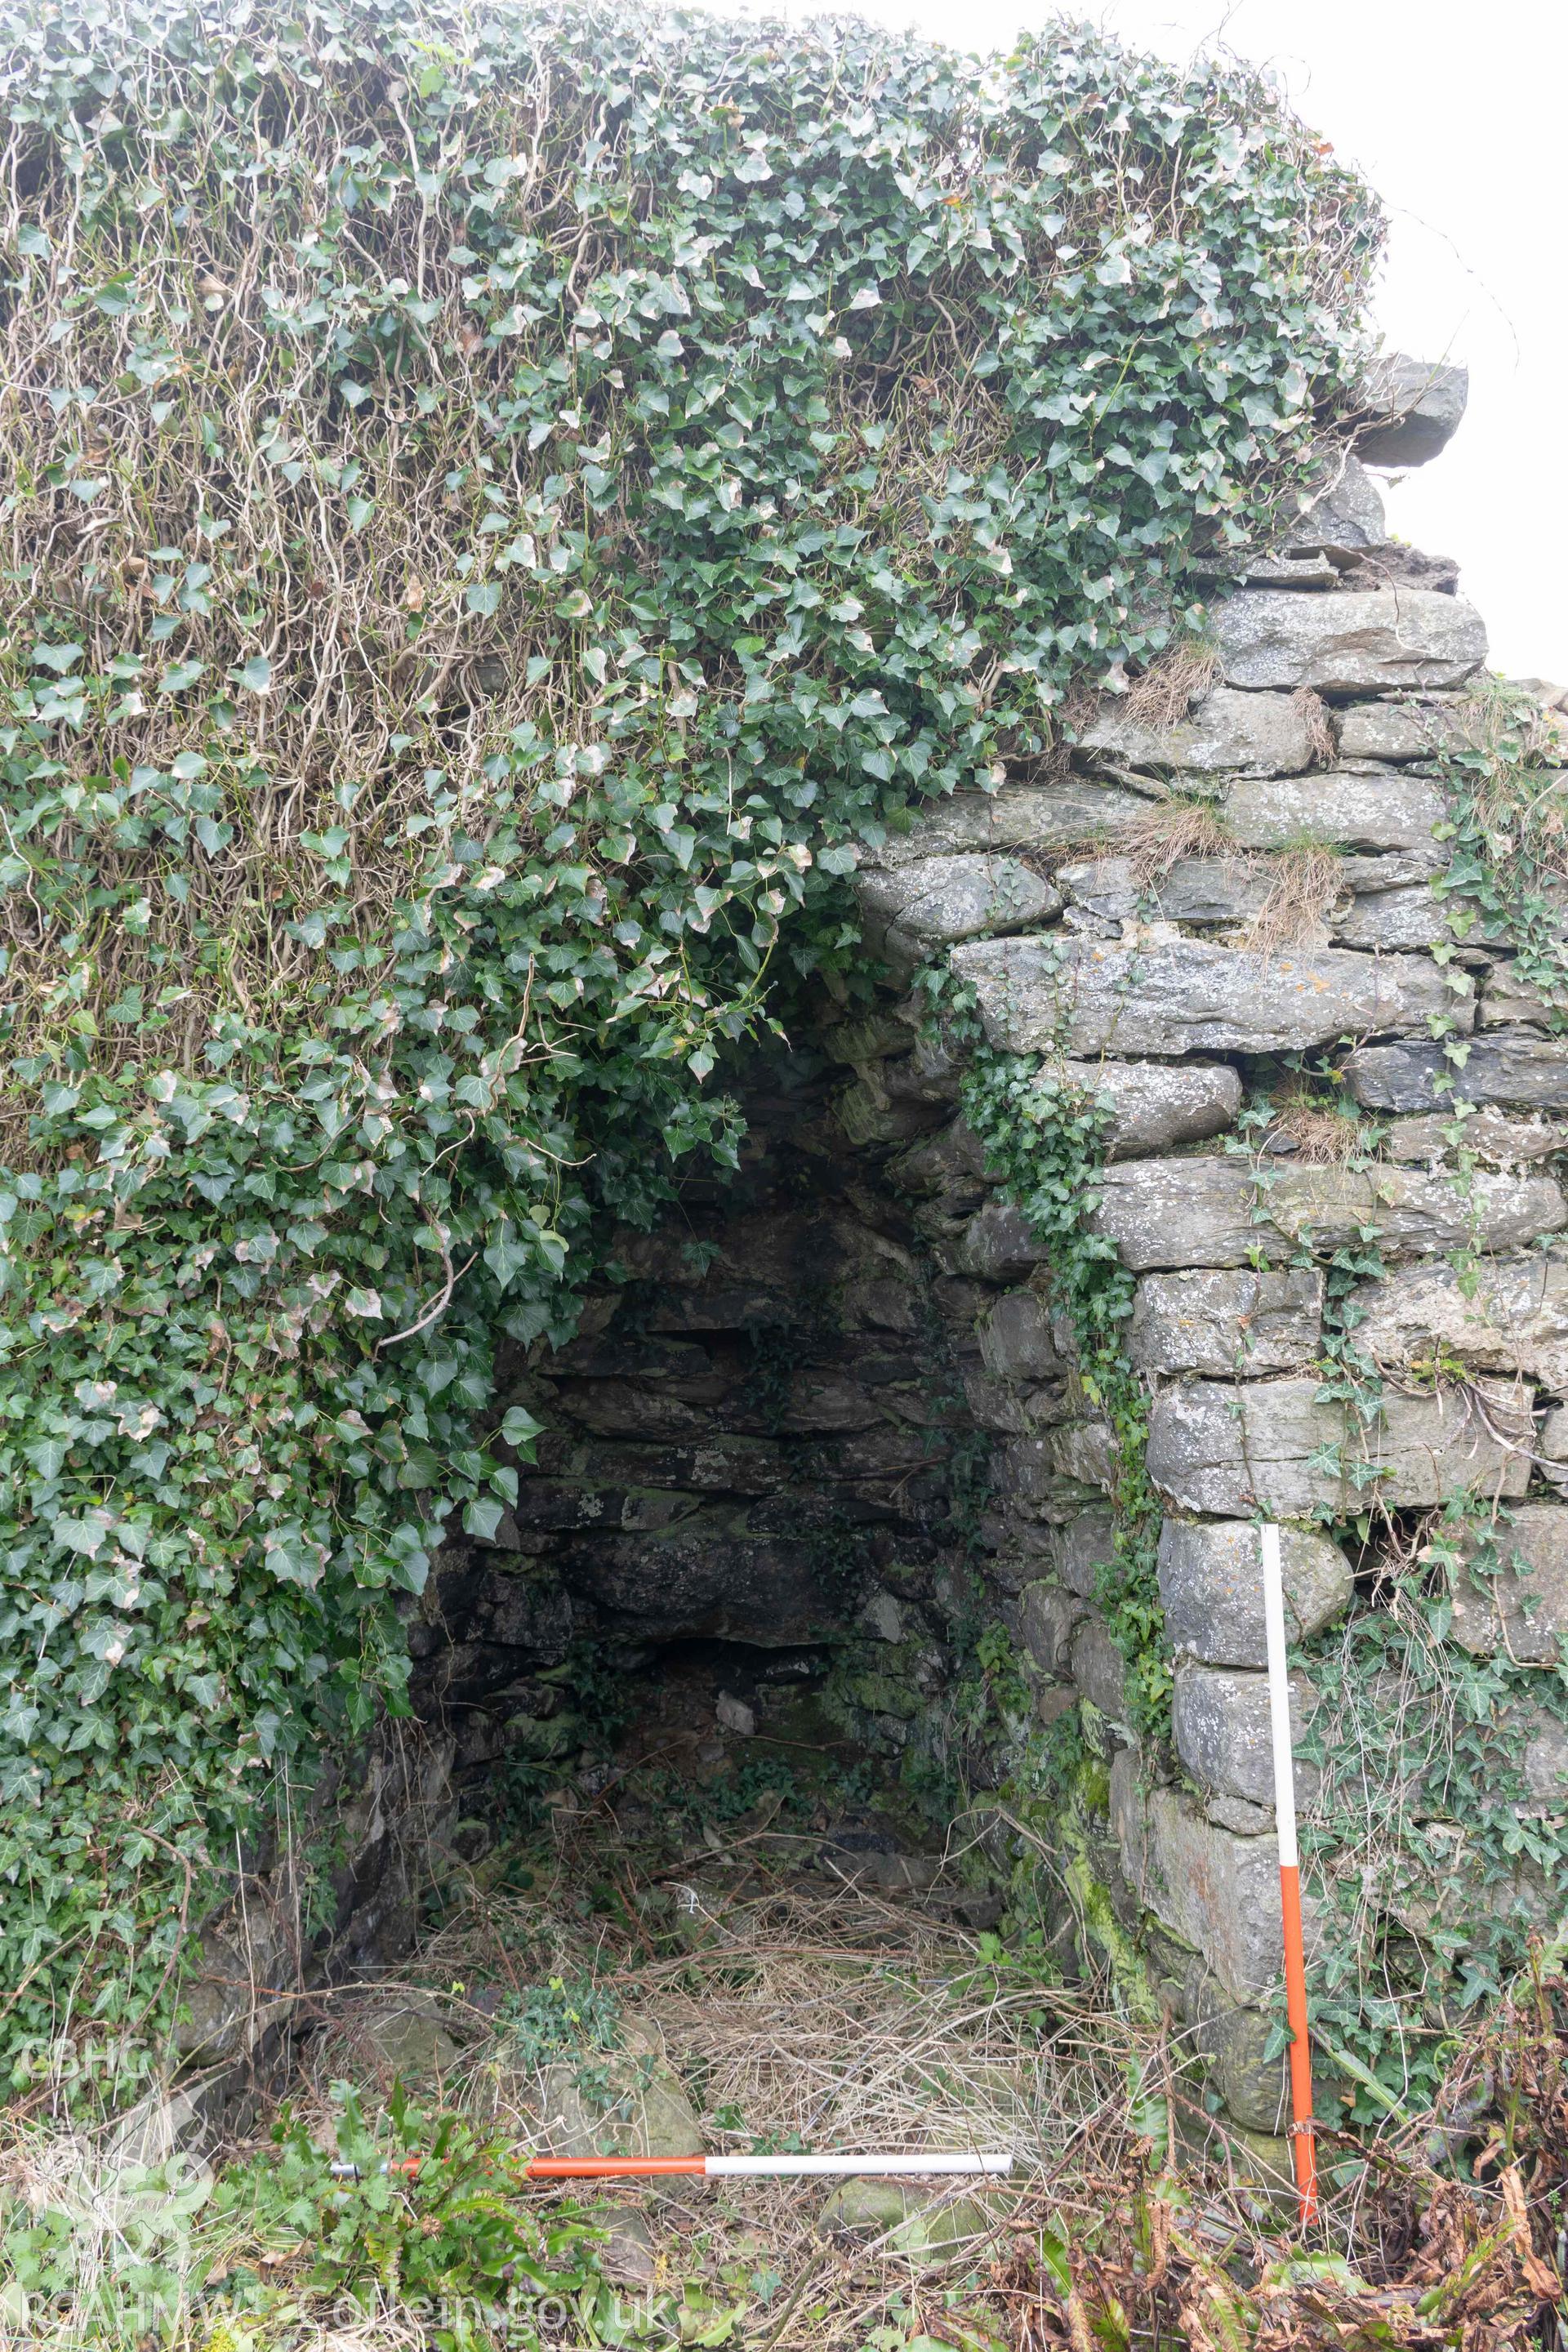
<point>1169,988</point>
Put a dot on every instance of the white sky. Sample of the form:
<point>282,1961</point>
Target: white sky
<point>1455,114</point>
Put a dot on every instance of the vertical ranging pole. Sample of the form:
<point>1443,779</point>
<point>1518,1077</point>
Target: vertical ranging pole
<point>1302,2144</point>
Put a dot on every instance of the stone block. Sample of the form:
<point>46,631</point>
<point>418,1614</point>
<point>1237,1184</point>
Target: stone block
<point>633,2105</point>
<point>1153,1105</point>
<point>1228,1322</point>
<point>1414,917</point>
<point>1543,1760</point>
<point>1085,1546</point>
<point>1273,1446</point>
<point>868,1113</point>
<point>1232,2038</point>
<point>1516,1069</point>
<point>1194,890</point>
<point>995,1404</point>
<point>1236,1813</point>
<point>1413,409</point>
<point>1504,1142</point>
<point>950,1160</point>
<point>910,910</point>
<point>1084,1452</point>
<point>1396,732</point>
<point>1341,511</point>
<point>1522,1611</point>
<point>1189,997</point>
<point>1220,1721</point>
<point>1211,1583</point>
<point>1016,1341</point>
<point>1024,1471</point>
<point>1049,1615</point>
<point>1018,816</point>
<point>1217,1892</point>
<point>998,1244</point>
<point>1509,1316</point>
<point>1099,1668</point>
<point>1508,1001</point>
<point>1357,643</point>
<point>922,2228</point>
<point>1228,733</point>
<point>1213,1211</point>
<point>1371,817</point>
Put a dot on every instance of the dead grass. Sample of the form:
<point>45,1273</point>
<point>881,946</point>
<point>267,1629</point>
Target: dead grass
<point>1170,829</point>
<point>1170,686</point>
<point>1306,883</point>
<point>798,2006</point>
<point>1324,1135</point>
<point>1314,711</point>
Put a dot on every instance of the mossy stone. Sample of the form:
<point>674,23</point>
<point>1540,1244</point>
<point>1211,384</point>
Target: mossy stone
<point>925,2226</point>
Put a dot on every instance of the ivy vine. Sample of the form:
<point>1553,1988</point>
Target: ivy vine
<point>495,509</point>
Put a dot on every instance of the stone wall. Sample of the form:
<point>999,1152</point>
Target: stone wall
<point>828,1417</point>
<point>1175,988</point>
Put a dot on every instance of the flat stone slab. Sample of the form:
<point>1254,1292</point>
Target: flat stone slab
<point>1217,1892</point>
<point>1367,816</point>
<point>1344,513</point>
<point>1153,1105</point>
<point>1085,1546</point>
<point>1516,1069</point>
<point>1521,1616</point>
<point>1018,1339</point>
<point>1413,407</point>
<point>999,1245</point>
<point>1414,917</point>
<point>1099,1668</point>
<point>1187,996</point>
<point>1405,730</point>
<point>1510,1315</point>
<point>1503,1141</point>
<point>1543,1765</point>
<point>1227,1323</point>
<point>1049,1616</point>
<point>1018,816</point>
<point>1508,1001</point>
<point>909,910</point>
<point>1194,890</point>
<point>1273,1446</point>
<point>1216,1211</point>
<point>1357,643</point>
<point>1211,1583</point>
<point>1228,733</point>
<point>1221,1725</point>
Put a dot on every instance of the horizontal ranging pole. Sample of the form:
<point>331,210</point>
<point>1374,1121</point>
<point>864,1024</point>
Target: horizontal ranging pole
<point>722,2168</point>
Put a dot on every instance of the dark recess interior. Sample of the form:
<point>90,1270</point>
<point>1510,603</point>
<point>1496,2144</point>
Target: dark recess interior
<point>742,1575</point>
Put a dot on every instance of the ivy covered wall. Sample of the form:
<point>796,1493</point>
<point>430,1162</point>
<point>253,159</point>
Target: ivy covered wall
<point>496,510</point>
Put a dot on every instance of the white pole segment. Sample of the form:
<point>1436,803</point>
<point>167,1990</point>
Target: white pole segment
<point>737,2168</point>
<point>1279,1698</point>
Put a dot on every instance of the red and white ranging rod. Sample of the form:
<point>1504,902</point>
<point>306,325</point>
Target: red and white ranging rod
<point>1303,2148</point>
<point>723,2168</point>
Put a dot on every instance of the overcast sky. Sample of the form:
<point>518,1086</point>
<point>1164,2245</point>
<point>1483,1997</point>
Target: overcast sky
<point>1456,115</point>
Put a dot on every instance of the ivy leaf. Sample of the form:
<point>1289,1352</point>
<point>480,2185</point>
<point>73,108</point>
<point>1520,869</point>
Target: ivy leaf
<point>85,1535</point>
<point>520,1430</point>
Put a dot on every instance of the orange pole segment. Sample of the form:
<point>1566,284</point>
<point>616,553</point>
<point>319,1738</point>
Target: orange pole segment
<point>1303,2147</point>
<point>609,2167</point>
